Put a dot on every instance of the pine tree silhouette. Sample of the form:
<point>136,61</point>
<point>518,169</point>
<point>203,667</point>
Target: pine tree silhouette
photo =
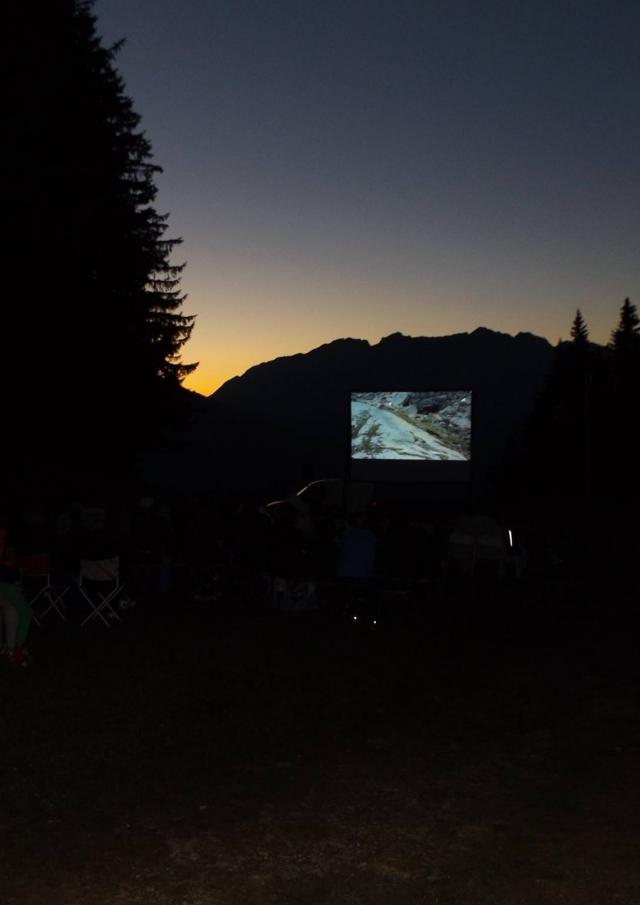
<point>559,459</point>
<point>625,339</point>
<point>95,309</point>
<point>579,331</point>
<point>624,383</point>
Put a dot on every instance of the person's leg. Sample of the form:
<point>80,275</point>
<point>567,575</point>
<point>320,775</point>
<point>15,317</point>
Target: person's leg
<point>9,619</point>
<point>12,593</point>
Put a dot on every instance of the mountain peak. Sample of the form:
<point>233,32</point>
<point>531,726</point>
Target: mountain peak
<point>394,337</point>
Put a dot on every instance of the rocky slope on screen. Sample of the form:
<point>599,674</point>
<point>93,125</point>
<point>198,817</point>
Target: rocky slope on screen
<point>435,426</point>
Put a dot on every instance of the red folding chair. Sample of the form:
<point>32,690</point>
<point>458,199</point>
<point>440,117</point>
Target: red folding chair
<point>41,592</point>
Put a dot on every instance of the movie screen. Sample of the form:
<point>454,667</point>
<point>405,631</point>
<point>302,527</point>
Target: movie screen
<point>401,425</point>
<point>427,431</point>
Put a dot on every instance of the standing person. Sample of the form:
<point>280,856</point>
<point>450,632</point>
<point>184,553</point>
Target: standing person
<point>15,612</point>
<point>357,547</point>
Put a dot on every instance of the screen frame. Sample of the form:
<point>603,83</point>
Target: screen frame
<point>410,470</point>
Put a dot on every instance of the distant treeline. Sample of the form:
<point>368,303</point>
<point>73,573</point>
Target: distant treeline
<point>577,469</point>
<point>583,433</point>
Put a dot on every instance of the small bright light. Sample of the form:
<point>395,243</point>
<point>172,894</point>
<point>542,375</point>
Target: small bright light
<point>375,621</point>
<point>355,618</point>
<point>510,538</point>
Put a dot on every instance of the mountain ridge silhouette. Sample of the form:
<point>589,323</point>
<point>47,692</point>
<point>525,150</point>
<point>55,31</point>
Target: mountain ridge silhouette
<point>286,420</point>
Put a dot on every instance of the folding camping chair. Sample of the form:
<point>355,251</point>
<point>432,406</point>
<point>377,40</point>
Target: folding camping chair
<point>460,553</point>
<point>99,584</point>
<point>492,548</point>
<point>35,577</point>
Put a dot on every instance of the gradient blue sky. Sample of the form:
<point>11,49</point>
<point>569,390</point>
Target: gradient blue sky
<point>356,168</point>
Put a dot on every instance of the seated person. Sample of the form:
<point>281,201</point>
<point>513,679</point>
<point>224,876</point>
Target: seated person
<point>15,612</point>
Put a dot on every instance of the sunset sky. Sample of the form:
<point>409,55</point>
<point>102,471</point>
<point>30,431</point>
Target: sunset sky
<point>356,168</point>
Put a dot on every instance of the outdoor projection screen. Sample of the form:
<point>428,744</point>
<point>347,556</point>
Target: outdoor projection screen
<point>407,435</point>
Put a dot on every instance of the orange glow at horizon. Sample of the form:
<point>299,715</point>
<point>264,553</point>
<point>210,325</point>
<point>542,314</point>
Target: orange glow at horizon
<point>244,319</point>
<point>220,361</point>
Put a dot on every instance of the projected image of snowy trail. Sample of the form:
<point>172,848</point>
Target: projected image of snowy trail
<point>411,426</point>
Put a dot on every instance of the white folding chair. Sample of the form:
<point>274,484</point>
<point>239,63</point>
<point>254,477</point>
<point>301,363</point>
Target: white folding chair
<point>491,548</point>
<point>36,580</point>
<point>99,584</point>
<point>460,553</point>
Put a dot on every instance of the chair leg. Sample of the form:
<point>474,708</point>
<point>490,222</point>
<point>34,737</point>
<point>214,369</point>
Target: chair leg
<point>103,605</point>
<point>106,604</point>
<point>96,609</point>
<point>95,612</point>
<point>37,616</point>
<point>53,600</point>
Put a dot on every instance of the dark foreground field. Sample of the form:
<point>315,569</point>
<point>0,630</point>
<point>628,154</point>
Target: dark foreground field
<point>484,750</point>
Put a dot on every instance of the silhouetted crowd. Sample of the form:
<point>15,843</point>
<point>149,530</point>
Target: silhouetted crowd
<point>244,556</point>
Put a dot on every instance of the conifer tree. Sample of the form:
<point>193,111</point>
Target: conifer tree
<point>579,331</point>
<point>559,430</point>
<point>95,309</point>
<point>625,339</point>
<point>624,384</point>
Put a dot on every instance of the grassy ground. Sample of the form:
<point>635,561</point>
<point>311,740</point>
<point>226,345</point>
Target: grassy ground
<point>483,748</point>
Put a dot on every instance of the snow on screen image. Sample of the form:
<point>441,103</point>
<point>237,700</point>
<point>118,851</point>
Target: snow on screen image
<point>429,426</point>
